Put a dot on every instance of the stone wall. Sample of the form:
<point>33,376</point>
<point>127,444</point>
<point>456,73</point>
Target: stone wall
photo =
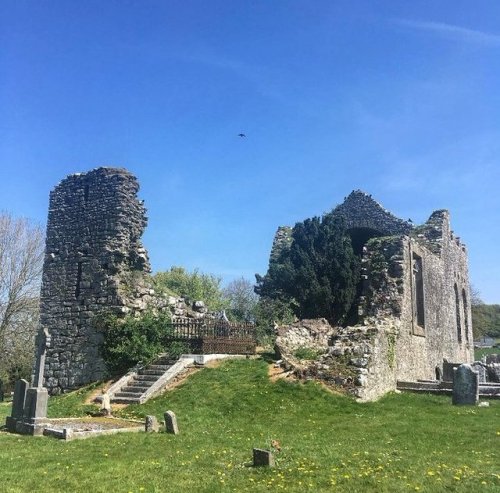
<point>94,261</point>
<point>414,311</point>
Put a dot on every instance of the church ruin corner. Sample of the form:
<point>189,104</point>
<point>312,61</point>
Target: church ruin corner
<point>414,310</point>
<point>94,262</point>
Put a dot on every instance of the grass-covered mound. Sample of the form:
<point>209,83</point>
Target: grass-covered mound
<point>403,442</point>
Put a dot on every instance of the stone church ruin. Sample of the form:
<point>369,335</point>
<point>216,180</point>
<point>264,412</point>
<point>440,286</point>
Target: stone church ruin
<point>414,311</point>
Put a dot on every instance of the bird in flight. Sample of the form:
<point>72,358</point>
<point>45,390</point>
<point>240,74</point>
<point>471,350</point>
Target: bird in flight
<point>241,135</point>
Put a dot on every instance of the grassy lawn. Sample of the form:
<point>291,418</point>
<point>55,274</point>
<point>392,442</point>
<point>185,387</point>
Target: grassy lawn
<point>404,442</point>
<point>480,352</point>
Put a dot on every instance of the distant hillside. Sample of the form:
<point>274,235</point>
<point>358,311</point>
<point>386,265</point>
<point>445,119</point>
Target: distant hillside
<point>486,320</point>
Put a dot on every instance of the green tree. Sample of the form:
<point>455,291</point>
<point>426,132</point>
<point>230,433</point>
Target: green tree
<point>318,274</point>
<point>192,286</point>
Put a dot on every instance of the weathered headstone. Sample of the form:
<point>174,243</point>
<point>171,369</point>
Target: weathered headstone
<point>171,423</point>
<point>105,405</point>
<point>465,386</point>
<point>481,370</point>
<point>263,457</point>
<point>151,424</point>
<point>18,404</point>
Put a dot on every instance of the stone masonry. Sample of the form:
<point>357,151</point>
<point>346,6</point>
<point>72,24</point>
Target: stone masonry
<point>414,308</point>
<point>94,261</point>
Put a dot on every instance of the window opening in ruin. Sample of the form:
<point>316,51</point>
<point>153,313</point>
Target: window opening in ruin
<point>466,316</point>
<point>359,238</point>
<point>457,309</point>
<point>418,292</point>
<point>78,279</point>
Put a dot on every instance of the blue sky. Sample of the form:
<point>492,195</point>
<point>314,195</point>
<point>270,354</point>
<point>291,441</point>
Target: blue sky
<point>397,98</point>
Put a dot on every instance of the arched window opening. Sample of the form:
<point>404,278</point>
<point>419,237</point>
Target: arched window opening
<point>466,315</point>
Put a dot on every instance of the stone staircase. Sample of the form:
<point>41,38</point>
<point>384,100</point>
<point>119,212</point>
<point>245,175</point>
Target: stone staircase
<point>140,384</point>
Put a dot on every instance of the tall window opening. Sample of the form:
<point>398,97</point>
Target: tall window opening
<point>466,315</point>
<point>418,292</point>
<point>457,309</point>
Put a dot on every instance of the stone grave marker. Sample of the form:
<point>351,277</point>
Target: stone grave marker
<point>263,457</point>
<point>152,425</point>
<point>465,386</point>
<point>18,404</point>
<point>171,423</point>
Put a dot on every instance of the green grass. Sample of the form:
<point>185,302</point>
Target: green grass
<point>404,442</point>
<point>480,352</point>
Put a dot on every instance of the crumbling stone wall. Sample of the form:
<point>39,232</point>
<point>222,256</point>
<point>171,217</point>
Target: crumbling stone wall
<point>94,261</point>
<point>414,311</point>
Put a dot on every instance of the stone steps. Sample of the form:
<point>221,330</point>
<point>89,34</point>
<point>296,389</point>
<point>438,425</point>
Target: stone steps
<point>134,388</point>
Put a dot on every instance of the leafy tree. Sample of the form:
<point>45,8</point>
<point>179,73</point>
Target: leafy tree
<point>192,286</point>
<point>318,274</point>
<point>21,257</point>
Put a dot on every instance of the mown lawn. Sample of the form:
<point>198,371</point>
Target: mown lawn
<point>404,442</point>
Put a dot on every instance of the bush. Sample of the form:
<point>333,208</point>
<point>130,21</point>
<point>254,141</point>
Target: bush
<point>307,353</point>
<point>132,340</point>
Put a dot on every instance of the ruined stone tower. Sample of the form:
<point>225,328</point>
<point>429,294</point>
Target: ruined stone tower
<point>94,261</point>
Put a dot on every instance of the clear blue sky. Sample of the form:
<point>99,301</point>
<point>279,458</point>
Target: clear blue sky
<point>398,98</point>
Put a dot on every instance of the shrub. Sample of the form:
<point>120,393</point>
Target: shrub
<point>308,353</point>
<point>132,340</point>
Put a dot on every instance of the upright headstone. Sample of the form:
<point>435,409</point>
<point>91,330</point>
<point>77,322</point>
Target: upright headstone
<point>263,457</point>
<point>106,405</point>
<point>151,425</point>
<point>481,370</point>
<point>18,404</point>
<point>171,423</point>
<point>465,386</point>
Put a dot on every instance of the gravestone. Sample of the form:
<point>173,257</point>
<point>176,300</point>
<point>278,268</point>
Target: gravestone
<point>171,423</point>
<point>263,457</point>
<point>481,370</point>
<point>106,405</point>
<point>151,424</point>
<point>37,397</point>
<point>18,405</point>
<point>465,386</point>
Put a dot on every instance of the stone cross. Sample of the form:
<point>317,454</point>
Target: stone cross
<point>42,342</point>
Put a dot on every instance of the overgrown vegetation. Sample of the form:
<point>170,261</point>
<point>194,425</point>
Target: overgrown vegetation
<point>131,340</point>
<point>193,286</point>
<point>404,442</point>
<point>486,320</point>
<point>306,353</point>
<point>318,274</point>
